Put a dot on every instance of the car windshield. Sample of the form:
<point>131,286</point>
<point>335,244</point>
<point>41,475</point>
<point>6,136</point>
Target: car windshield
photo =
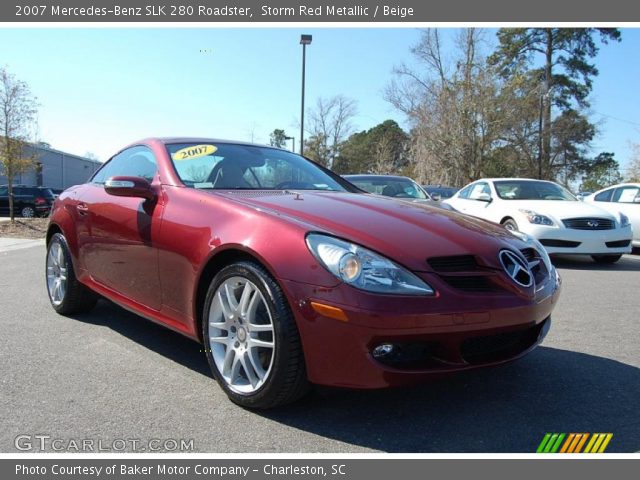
<point>225,166</point>
<point>390,187</point>
<point>531,190</point>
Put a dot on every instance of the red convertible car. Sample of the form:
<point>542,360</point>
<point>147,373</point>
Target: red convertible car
<point>290,275</point>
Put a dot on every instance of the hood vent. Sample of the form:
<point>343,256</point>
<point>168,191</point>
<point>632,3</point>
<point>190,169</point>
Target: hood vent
<point>247,193</point>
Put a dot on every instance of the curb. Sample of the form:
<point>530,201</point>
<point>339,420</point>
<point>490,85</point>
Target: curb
<point>8,244</point>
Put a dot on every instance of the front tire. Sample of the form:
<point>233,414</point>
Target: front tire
<point>251,338</point>
<point>510,225</point>
<point>66,294</point>
<point>606,258</point>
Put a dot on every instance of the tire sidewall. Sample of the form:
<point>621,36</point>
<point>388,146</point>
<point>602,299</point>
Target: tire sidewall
<point>606,259</point>
<point>278,308</point>
<point>511,222</point>
<point>62,241</point>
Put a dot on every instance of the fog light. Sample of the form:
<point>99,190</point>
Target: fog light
<point>383,350</point>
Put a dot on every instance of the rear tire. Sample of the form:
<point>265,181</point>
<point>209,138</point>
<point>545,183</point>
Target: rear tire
<point>28,212</point>
<point>66,294</point>
<point>251,375</point>
<point>606,258</point>
<point>510,224</point>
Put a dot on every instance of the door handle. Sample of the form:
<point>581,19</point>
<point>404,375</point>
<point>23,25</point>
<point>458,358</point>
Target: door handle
<point>82,208</point>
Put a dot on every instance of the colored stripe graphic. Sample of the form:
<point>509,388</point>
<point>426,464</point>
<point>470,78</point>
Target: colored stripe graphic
<point>606,441</point>
<point>545,439</point>
<point>552,442</point>
<point>582,442</point>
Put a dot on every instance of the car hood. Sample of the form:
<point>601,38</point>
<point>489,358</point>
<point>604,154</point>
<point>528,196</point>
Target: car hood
<point>406,232</point>
<point>561,210</point>
<point>433,203</point>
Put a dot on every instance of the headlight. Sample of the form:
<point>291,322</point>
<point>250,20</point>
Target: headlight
<point>624,220</point>
<point>536,218</point>
<point>364,269</point>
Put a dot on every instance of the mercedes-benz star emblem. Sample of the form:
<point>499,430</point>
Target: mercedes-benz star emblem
<point>517,268</point>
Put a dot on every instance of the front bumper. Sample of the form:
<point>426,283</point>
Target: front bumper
<point>581,242</point>
<point>438,338</point>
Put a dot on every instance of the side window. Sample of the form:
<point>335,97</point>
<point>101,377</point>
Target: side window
<point>4,191</point>
<point>479,189</point>
<point>133,162</point>
<point>626,194</point>
<point>604,196</point>
<point>464,193</point>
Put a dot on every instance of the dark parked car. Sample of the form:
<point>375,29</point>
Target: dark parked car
<point>27,201</point>
<point>289,275</point>
<point>439,192</point>
<point>394,186</point>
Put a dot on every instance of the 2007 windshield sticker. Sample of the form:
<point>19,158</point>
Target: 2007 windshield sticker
<point>194,151</point>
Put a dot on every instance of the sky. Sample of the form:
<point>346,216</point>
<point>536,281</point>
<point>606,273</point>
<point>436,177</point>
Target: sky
<point>100,89</point>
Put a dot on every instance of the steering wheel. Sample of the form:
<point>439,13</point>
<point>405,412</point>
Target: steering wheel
<point>213,176</point>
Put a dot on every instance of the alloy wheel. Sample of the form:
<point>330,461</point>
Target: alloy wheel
<point>241,335</point>
<point>28,212</point>
<point>56,273</point>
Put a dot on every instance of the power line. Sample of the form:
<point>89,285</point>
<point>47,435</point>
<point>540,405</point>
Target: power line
<point>617,118</point>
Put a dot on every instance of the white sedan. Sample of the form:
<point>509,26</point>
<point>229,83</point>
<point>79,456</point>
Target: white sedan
<point>549,213</point>
<point>624,198</point>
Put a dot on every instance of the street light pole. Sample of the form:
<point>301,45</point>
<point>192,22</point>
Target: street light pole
<point>540,139</point>
<point>293,143</point>
<point>304,41</point>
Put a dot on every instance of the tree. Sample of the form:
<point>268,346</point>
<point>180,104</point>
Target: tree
<point>451,103</point>
<point>633,172</point>
<point>381,150</point>
<point>559,59</point>
<point>571,136</point>
<point>278,138</point>
<point>602,172</point>
<point>329,125</point>
<point>18,109</point>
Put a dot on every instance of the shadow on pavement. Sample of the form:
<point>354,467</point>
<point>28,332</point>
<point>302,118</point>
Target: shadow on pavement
<point>503,409</point>
<point>159,339</point>
<point>627,263</point>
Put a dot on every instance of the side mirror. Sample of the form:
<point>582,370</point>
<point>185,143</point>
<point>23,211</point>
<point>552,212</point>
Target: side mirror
<point>129,187</point>
<point>436,197</point>
<point>484,197</point>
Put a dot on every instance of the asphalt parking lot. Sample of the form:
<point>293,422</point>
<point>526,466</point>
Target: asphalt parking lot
<point>112,375</point>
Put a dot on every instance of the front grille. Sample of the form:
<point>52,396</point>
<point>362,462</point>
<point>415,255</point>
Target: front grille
<point>530,254</point>
<point>471,283</point>
<point>491,348</point>
<point>535,264</point>
<point>456,263</point>
<point>547,242</point>
<point>589,223</point>
<point>618,244</point>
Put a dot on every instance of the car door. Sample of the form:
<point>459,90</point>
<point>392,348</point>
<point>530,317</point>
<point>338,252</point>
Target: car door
<point>479,200</point>
<point>626,199</point>
<point>4,200</point>
<point>116,239</point>
<point>460,201</point>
